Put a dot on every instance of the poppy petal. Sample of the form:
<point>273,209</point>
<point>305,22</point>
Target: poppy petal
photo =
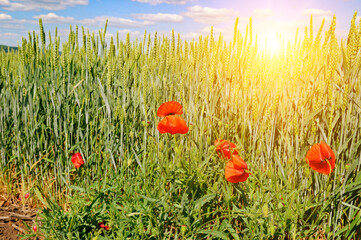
<point>326,151</point>
<point>321,158</point>
<point>173,124</point>
<point>233,174</point>
<point>169,108</point>
<point>238,162</point>
<point>77,160</point>
<point>225,148</point>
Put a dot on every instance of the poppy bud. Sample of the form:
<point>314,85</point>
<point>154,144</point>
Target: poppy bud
<point>131,134</point>
<point>35,228</point>
<point>307,172</point>
<point>176,149</point>
<point>347,166</point>
<point>144,123</point>
<point>265,210</point>
<point>208,140</point>
<point>220,123</point>
<point>211,148</point>
<point>130,162</point>
<point>183,228</point>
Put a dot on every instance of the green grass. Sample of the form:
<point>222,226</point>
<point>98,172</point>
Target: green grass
<point>97,97</point>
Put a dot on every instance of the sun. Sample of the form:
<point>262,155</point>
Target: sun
<point>272,43</point>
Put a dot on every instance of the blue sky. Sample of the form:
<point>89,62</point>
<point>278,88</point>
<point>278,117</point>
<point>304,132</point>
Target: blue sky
<point>188,17</point>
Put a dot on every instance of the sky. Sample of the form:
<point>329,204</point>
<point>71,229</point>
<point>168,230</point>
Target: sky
<point>190,18</point>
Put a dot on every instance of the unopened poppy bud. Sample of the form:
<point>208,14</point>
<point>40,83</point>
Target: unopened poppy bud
<point>131,134</point>
<point>272,229</point>
<point>35,228</point>
<point>227,125</point>
<point>307,172</point>
<point>208,140</point>
<point>130,161</point>
<point>161,146</point>
<point>183,228</point>
<point>144,123</point>
<point>176,149</point>
<point>220,123</point>
<point>347,166</point>
<point>211,148</point>
<point>265,210</point>
<point>289,161</point>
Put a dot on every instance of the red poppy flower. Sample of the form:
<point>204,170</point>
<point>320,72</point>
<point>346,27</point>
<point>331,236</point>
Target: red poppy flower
<point>27,195</point>
<point>225,148</point>
<point>77,160</point>
<point>321,158</point>
<point>236,170</point>
<point>173,124</point>
<point>101,225</point>
<point>107,227</point>
<point>170,108</point>
<point>35,228</point>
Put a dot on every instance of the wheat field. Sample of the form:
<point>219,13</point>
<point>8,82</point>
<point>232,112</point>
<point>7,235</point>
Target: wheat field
<point>100,98</point>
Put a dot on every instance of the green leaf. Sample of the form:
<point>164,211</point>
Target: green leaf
<point>200,202</point>
<point>214,233</point>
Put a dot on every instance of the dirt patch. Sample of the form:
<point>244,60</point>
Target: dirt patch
<point>13,219</point>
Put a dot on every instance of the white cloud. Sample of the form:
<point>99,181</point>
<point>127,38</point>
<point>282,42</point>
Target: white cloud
<point>261,13</point>
<point>53,18</point>
<point>12,26</point>
<point>4,16</point>
<point>154,2</point>
<point>4,2</point>
<point>126,31</point>
<point>114,22</point>
<point>317,12</point>
<point>227,33</point>
<point>10,35</point>
<point>34,5</point>
<point>159,17</point>
<point>96,21</point>
<point>210,15</point>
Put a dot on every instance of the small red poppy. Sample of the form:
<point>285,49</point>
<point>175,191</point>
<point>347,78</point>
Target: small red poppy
<point>170,108</point>
<point>101,225</point>
<point>107,227</point>
<point>35,228</point>
<point>225,148</point>
<point>236,170</point>
<point>321,158</point>
<point>77,160</point>
<point>173,124</point>
<point>27,195</point>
